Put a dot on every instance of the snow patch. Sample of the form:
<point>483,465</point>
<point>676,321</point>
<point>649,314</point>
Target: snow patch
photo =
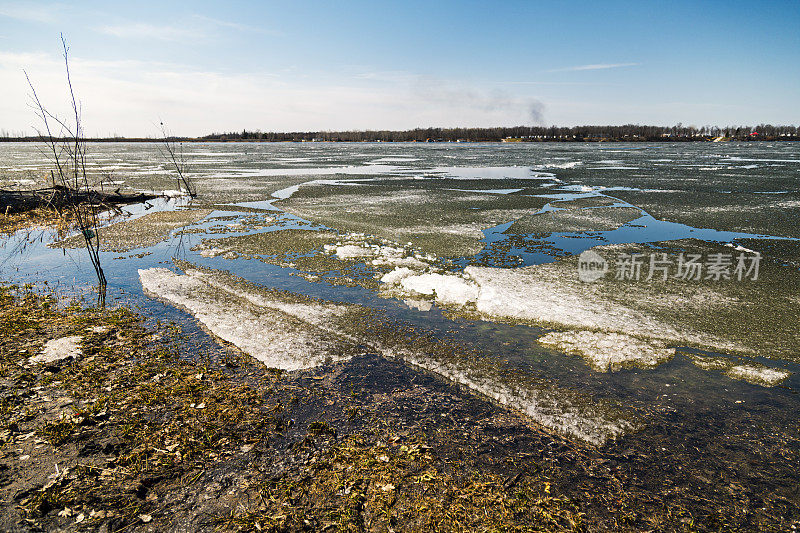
<point>58,349</point>
<point>755,374</point>
<point>447,289</point>
<point>397,275</point>
<point>609,351</point>
<point>758,375</point>
<point>350,251</point>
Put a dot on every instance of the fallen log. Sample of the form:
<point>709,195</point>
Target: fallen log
<point>60,197</point>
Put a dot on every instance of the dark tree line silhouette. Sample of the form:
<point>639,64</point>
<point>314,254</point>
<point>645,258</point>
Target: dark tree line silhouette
<point>626,133</point>
<point>629,132</point>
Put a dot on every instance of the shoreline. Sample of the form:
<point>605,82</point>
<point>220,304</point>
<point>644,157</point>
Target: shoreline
<point>160,439</point>
<point>144,431</point>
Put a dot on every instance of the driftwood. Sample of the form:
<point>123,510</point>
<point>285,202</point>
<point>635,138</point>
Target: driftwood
<point>60,197</point>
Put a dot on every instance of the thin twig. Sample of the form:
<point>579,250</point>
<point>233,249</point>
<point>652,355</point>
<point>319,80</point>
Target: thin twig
<point>69,156</point>
<point>178,163</point>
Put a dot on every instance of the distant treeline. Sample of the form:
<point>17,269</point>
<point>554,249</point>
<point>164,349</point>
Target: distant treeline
<point>627,133</point>
<point>630,132</point>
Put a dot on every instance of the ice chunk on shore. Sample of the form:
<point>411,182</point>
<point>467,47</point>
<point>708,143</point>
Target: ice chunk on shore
<point>281,335</point>
<point>540,294</point>
<point>551,407</point>
<point>754,373</point>
<point>419,305</point>
<point>351,251</point>
<point>448,289</point>
<point>291,335</point>
<point>58,349</point>
<point>609,351</point>
<point>397,275</point>
<point>758,375</point>
<point>212,252</point>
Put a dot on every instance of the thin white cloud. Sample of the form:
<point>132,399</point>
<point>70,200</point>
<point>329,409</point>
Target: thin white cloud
<point>139,30</point>
<point>28,11</point>
<point>389,76</point>
<point>46,63</point>
<point>20,60</point>
<point>189,29</point>
<point>238,26</point>
<point>595,66</point>
<point>130,96</point>
<point>553,83</point>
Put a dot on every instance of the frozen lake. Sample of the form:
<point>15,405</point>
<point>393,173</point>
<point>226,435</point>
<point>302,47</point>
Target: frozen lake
<point>300,254</point>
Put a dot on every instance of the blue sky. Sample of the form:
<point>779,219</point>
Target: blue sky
<point>277,66</point>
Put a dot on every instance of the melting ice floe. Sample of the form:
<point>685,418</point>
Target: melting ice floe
<point>758,374</point>
<point>540,294</point>
<point>286,336</point>
<point>297,335</point>
<point>489,173</point>
<point>606,333</point>
<point>536,294</point>
<point>310,171</point>
<point>387,254</point>
<point>606,351</point>
<point>487,191</point>
<point>557,409</point>
<point>752,373</point>
<point>448,289</point>
<point>554,165</point>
